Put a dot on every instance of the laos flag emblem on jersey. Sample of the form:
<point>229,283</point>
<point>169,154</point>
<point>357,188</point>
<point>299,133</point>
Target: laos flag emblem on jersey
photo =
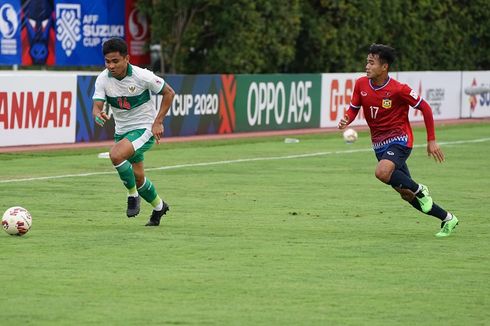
<point>387,103</point>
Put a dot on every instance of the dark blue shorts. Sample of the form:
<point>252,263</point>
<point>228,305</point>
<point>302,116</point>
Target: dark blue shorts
<point>398,154</point>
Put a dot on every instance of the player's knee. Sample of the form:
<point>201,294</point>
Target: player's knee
<point>383,175</point>
<point>116,157</point>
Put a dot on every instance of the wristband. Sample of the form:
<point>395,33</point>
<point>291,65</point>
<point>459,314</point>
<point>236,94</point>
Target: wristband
<point>99,121</point>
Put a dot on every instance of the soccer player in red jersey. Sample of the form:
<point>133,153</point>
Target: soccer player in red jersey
<point>385,103</point>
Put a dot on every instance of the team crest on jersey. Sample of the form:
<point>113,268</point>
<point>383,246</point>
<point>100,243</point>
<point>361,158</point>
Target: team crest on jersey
<point>131,89</point>
<point>386,103</point>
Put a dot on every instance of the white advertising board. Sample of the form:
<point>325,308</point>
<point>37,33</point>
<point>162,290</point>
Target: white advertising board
<point>37,109</point>
<point>441,89</point>
<point>337,92</point>
<point>475,98</point>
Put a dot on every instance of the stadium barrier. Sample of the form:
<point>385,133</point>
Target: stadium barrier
<point>40,107</point>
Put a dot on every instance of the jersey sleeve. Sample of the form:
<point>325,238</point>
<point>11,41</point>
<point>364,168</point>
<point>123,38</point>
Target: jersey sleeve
<point>410,96</point>
<point>154,83</point>
<point>355,102</point>
<point>99,93</point>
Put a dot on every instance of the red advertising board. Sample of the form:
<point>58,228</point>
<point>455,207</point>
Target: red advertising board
<point>137,30</point>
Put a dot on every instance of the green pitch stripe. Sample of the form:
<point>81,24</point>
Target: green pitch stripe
<point>243,160</point>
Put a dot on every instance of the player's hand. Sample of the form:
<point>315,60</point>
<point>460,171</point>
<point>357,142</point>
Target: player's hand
<point>101,118</point>
<point>157,130</point>
<point>343,122</point>
<point>435,151</point>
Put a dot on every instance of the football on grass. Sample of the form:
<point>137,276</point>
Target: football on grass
<point>16,221</point>
<point>350,135</point>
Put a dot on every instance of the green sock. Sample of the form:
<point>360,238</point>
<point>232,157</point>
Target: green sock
<point>133,192</point>
<point>149,193</point>
<point>125,170</point>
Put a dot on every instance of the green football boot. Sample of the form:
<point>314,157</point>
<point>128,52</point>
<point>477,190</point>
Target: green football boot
<point>448,227</point>
<point>425,201</point>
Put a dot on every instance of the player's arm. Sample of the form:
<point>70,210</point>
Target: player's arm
<point>353,110</point>
<point>99,99</point>
<point>433,148</point>
<point>349,116</point>
<point>413,99</point>
<point>168,96</point>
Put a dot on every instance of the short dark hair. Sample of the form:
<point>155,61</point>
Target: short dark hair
<point>115,45</point>
<point>386,54</point>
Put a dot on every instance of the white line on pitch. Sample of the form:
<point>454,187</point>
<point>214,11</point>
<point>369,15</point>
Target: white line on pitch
<point>253,159</point>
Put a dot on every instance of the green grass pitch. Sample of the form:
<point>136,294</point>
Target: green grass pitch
<point>264,233</point>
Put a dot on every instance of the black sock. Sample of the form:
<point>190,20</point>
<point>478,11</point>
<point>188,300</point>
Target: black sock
<point>415,203</point>
<point>401,180</point>
<point>436,210</point>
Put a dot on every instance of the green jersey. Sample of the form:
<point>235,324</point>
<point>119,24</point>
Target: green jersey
<point>130,98</point>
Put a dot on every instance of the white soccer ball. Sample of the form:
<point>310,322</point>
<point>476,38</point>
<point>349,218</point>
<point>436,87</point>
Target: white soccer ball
<point>350,135</point>
<point>16,221</point>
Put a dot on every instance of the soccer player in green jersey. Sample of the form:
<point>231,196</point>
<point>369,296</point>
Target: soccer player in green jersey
<point>127,89</point>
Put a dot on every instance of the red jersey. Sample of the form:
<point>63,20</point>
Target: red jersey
<point>385,108</point>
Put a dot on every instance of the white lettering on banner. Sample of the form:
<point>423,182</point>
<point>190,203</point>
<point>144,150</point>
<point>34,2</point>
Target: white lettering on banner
<point>197,104</point>
<point>299,100</point>
<point>94,35</point>
<point>265,98</point>
<point>103,30</point>
<point>90,19</point>
<point>28,110</point>
<point>69,28</point>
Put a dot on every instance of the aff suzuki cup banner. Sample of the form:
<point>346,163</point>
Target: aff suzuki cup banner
<point>69,32</point>
<point>34,112</point>
<point>82,26</point>
<point>475,98</point>
<point>10,25</point>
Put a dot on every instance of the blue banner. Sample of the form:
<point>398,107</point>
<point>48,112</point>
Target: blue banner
<point>201,106</point>
<point>87,129</point>
<point>196,106</point>
<point>10,44</point>
<point>81,28</point>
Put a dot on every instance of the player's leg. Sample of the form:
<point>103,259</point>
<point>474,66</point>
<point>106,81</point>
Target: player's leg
<point>160,208</point>
<point>436,211</point>
<point>389,170</point>
<point>145,187</point>
<point>123,155</point>
<point>119,154</point>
